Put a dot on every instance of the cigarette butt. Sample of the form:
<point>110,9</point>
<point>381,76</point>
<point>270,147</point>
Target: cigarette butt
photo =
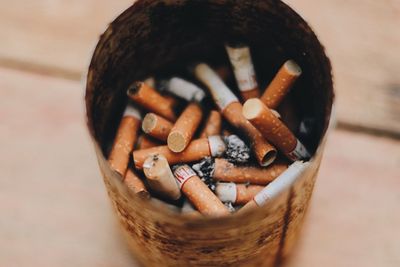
<point>243,69</point>
<point>185,89</point>
<point>198,193</point>
<point>150,99</point>
<point>246,193</point>
<point>160,177</point>
<point>221,94</point>
<point>264,152</point>
<point>213,146</point>
<point>146,141</point>
<point>274,130</point>
<point>272,190</point>
<point>183,130</point>
<point>124,140</point>
<point>156,126</point>
<point>135,184</point>
<point>231,109</point>
<point>238,194</point>
<point>281,84</point>
<point>228,172</point>
<point>212,125</point>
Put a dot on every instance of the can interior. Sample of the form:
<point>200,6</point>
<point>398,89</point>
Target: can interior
<point>165,38</point>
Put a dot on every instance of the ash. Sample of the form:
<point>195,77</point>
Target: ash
<point>230,207</point>
<point>237,151</point>
<point>205,170</point>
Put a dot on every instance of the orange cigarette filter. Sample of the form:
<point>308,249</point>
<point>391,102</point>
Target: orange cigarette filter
<point>150,99</point>
<point>212,146</point>
<point>198,193</point>
<point>124,140</point>
<point>183,130</point>
<point>276,187</point>
<point>274,129</point>
<point>146,141</point>
<point>151,82</point>
<point>212,125</point>
<point>238,194</point>
<point>243,69</point>
<point>135,184</point>
<point>245,193</point>
<point>156,126</point>
<point>281,84</point>
<point>231,110</point>
<point>228,172</point>
<point>265,153</point>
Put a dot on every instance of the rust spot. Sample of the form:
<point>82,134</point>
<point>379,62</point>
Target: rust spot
<point>145,234</point>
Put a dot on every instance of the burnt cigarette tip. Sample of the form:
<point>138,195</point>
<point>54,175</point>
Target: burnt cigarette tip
<point>134,88</point>
<point>292,67</point>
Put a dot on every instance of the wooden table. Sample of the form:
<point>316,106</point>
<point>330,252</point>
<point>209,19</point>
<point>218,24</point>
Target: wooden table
<point>54,209</point>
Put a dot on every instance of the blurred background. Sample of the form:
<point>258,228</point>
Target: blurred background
<point>54,209</point>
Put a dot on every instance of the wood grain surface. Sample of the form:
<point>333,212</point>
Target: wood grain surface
<point>55,211</point>
<point>54,36</point>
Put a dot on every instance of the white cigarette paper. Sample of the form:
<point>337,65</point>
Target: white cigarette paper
<point>221,94</point>
<point>182,174</point>
<point>285,180</point>
<point>131,111</point>
<point>184,89</point>
<point>217,145</point>
<point>242,67</point>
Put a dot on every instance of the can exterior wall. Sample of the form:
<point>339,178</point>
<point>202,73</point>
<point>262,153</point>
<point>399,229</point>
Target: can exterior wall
<point>259,238</point>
